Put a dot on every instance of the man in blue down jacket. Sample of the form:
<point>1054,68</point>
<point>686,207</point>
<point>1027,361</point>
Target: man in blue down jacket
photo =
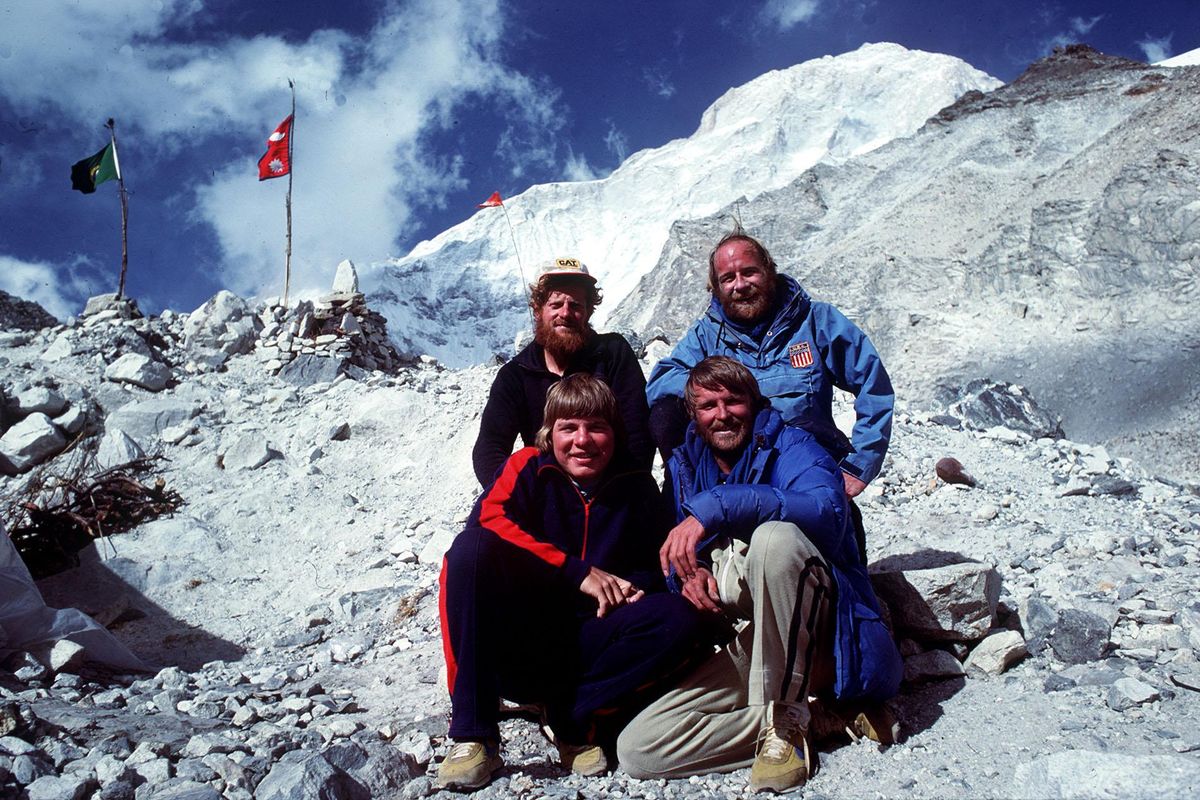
<point>763,535</point>
<point>798,350</point>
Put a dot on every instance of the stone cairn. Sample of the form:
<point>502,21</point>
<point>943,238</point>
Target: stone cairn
<point>337,326</point>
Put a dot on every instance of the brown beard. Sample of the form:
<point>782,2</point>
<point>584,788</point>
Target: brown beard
<point>749,309</point>
<point>739,427</point>
<point>562,343</point>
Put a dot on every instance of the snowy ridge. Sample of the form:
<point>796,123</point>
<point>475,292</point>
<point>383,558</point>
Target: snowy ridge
<point>457,296</point>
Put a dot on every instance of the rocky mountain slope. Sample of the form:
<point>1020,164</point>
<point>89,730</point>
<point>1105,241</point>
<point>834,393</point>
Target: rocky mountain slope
<point>288,609</point>
<point>1042,233</point>
<point>459,297</point>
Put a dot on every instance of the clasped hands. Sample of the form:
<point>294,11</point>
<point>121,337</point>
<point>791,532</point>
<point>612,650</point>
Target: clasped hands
<point>679,551</point>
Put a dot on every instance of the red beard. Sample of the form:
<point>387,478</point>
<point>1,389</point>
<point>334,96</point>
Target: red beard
<point>562,343</point>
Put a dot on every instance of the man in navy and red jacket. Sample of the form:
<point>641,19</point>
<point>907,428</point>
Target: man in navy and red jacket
<point>552,593</point>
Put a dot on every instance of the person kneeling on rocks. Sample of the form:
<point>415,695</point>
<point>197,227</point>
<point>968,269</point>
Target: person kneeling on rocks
<point>764,536</point>
<point>548,594</point>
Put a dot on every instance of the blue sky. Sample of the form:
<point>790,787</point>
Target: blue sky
<point>409,113</point>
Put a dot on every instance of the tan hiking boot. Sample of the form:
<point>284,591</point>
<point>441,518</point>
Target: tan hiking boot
<point>587,760</point>
<point>876,723</point>
<point>469,765</point>
<point>830,721</point>
<point>782,763</point>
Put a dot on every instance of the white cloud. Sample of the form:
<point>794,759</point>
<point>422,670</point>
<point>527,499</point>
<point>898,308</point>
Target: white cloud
<point>56,287</point>
<point>1082,26</point>
<point>787,14</point>
<point>1156,49</point>
<point>577,168</point>
<point>366,106</point>
<point>617,142</point>
<point>658,82</point>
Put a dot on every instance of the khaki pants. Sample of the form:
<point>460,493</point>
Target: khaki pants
<point>782,587</point>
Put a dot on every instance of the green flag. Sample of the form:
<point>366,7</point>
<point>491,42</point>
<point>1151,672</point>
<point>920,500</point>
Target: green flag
<point>86,175</point>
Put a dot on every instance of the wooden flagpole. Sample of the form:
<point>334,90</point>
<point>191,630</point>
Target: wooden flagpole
<point>112,130</point>
<point>287,260</point>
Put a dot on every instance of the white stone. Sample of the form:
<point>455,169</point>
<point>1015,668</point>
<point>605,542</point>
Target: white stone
<point>401,544</point>
<point>62,347</point>
<point>31,441</point>
<point>436,547</point>
<point>996,653</point>
<point>139,370</point>
<point>346,278</point>
<point>39,399</point>
<point>349,325</point>
<point>249,451</point>
<point>117,448</point>
<point>65,656</point>
<point>72,420</point>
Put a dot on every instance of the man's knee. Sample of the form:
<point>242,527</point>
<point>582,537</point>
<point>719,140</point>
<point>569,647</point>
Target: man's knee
<point>466,551</point>
<point>635,748</point>
<point>780,544</point>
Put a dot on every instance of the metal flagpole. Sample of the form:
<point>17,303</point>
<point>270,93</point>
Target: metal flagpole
<point>112,130</point>
<point>287,260</point>
<point>520,266</point>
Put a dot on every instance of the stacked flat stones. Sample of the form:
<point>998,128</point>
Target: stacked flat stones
<point>338,326</point>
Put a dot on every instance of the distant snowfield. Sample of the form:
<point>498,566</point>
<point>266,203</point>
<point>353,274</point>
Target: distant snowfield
<point>458,296</point>
<point>1188,59</point>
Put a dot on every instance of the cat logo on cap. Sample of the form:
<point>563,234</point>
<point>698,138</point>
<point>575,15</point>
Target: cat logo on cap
<point>567,263</point>
<point>800,355</point>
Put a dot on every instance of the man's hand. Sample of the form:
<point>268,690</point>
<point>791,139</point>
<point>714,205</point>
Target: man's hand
<point>679,550</point>
<point>854,486</point>
<point>608,590</point>
<point>701,591</point>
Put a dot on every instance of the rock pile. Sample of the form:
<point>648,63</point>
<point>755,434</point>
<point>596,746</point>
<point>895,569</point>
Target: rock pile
<point>312,342</point>
<point>224,731</point>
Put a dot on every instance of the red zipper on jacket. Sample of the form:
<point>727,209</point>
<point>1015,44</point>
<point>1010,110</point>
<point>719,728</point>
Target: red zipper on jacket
<point>587,504</point>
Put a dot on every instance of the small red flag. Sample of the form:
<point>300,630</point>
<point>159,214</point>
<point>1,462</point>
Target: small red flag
<point>492,201</point>
<point>277,161</point>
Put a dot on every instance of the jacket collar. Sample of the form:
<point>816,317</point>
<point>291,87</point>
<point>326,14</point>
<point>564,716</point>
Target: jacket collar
<point>696,459</point>
<point>792,303</point>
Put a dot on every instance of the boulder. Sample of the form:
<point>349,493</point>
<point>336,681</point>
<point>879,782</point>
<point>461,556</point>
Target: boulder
<point>308,369</point>
<point>309,776</point>
<point>122,307</point>
<point>225,325</point>
<point>38,399</point>
<point>72,420</point>
<point>62,347</point>
<point>145,420</point>
<point>30,442</point>
<point>1080,636</point>
<point>248,451</point>
<point>1090,774</point>
<point>956,602</point>
<point>117,448</point>
<point>996,653</point>
<point>984,404</point>
<point>139,370</point>
<point>931,666</point>
<point>1125,693</point>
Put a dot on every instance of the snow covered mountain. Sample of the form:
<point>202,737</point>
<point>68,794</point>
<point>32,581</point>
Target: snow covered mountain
<point>1043,233</point>
<point>458,296</point>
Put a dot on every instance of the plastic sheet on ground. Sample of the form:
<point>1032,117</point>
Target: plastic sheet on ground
<point>28,624</point>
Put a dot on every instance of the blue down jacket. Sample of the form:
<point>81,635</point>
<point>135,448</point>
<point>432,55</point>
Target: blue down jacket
<point>785,475</point>
<point>806,350</point>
